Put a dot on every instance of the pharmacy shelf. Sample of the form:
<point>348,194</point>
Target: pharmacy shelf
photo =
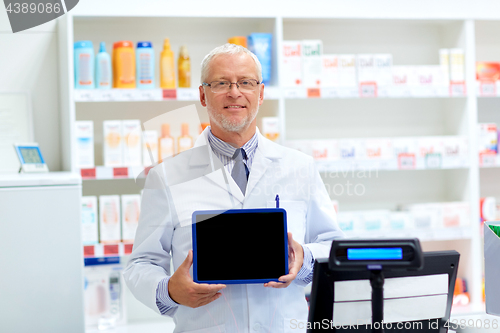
<point>488,89</point>
<point>371,91</point>
<point>107,250</point>
<point>424,235</point>
<point>409,162</point>
<point>145,95</point>
<point>105,173</point>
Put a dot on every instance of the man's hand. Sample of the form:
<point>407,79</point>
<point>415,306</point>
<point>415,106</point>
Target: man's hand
<point>295,259</point>
<point>184,291</point>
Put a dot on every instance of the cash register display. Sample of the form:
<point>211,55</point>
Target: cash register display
<point>391,253</point>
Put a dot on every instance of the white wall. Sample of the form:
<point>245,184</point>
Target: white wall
<point>29,62</point>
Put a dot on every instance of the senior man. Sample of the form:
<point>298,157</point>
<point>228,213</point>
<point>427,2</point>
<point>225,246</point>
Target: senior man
<point>231,166</point>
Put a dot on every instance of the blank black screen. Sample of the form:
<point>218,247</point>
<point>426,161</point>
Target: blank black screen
<point>241,246</point>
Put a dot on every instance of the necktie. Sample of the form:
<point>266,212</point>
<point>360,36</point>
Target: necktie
<point>239,172</point>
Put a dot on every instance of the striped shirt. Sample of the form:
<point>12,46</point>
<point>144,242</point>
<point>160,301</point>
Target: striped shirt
<point>225,152</point>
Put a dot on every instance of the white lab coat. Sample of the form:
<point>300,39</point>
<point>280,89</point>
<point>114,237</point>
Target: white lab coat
<point>196,180</point>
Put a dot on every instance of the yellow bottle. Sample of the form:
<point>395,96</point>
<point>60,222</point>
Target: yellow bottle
<point>167,67</point>
<point>238,40</point>
<point>185,141</point>
<point>184,68</point>
<point>165,143</point>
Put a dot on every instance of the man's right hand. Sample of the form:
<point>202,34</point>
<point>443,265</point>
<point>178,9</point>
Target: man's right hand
<point>184,291</point>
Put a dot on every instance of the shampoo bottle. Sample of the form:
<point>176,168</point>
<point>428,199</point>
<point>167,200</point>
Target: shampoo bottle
<point>184,68</point>
<point>84,65</point>
<point>185,141</point>
<point>103,68</point>
<point>145,65</point>
<point>165,143</point>
<point>167,67</point>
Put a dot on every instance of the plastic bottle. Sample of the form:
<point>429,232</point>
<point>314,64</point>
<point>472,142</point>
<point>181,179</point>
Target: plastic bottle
<point>185,141</point>
<point>123,65</point>
<point>238,40</point>
<point>167,66</point>
<point>103,68</point>
<point>145,65</point>
<point>84,65</point>
<point>165,143</point>
<point>184,68</point>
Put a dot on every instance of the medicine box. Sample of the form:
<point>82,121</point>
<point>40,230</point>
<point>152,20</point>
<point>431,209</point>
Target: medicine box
<point>291,72</point>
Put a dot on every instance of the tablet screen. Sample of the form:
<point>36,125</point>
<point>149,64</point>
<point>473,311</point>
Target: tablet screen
<point>240,246</point>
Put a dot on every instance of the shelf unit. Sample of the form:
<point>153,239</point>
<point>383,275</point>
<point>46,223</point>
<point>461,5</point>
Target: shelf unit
<point>413,37</point>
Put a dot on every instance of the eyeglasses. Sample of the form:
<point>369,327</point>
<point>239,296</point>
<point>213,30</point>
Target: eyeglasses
<point>225,86</point>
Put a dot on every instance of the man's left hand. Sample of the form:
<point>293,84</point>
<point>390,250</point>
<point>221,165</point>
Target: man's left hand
<point>295,259</point>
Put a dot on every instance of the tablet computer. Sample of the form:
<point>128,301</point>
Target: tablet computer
<point>239,246</point>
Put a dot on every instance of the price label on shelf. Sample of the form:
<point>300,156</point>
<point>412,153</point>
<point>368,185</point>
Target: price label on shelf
<point>313,93</point>
<point>406,161</point>
<point>329,93</point>
<point>487,160</point>
<point>169,93</point>
<point>188,94</point>
<point>111,250</point>
<point>457,89</point>
<point>149,95</point>
<point>120,172</point>
<point>433,161</point>
<point>82,95</point>
<point>368,89</point>
<point>88,173</point>
<point>295,93</point>
<point>487,88</point>
<point>89,251</point>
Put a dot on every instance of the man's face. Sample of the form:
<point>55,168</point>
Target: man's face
<point>232,111</point>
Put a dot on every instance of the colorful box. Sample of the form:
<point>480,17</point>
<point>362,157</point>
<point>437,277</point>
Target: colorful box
<point>113,143</point>
<point>109,218</point>
<point>90,229</point>
<point>131,209</point>
<point>291,71</point>
<point>84,134</point>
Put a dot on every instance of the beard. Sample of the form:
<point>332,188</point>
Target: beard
<point>231,125</point>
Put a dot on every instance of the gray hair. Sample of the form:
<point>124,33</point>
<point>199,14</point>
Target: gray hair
<point>228,49</point>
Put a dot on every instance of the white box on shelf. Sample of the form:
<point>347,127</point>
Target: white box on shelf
<point>300,145</point>
<point>444,63</point>
<point>291,71</point>
<point>84,135</point>
<point>383,69</point>
<point>379,148</point>
<point>457,65</point>
<point>109,219</point>
<point>330,71</point>
<point>132,143</point>
<point>351,149</point>
<point>149,147</point>
<point>312,51</point>
<point>335,204</point>
<point>456,214</point>
<point>131,208</point>
<point>400,221</point>
<point>404,145</point>
<point>487,138</point>
<point>350,222</point>
<point>455,146</point>
<point>366,68</point>
<point>271,128</point>
<point>113,143</point>
<point>430,145</point>
<point>90,223</point>
<point>325,149</point>
<point>427,216</point>
<point>376,220</point>
<point>347,71</point>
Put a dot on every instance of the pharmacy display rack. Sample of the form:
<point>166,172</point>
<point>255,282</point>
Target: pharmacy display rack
<point>412,34</point>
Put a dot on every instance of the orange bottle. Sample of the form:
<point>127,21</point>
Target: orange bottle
<point>123,64</point>
<point>167,67</point>
<point>184,68</point>
<point>185,141</point>
<point>203,126</point>
<point>238,40</point>
<point>165,143</point>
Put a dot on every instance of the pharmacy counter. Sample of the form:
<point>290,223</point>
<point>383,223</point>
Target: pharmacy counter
<point>42,259</point>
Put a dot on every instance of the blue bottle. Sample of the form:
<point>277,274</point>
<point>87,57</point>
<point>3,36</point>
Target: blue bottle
<point>145,63</point>
<point>84,65</point>
<point>103,75</point>
<point>260,44</point>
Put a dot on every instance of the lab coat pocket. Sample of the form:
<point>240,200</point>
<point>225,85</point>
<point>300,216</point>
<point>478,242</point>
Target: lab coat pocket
<point>213,329</point>
<point>296,217</point>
